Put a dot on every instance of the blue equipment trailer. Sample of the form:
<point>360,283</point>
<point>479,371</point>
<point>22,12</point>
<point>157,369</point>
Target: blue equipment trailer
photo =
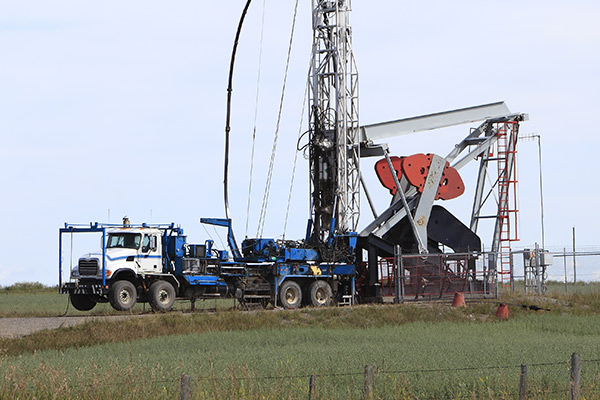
<point>156,264</point>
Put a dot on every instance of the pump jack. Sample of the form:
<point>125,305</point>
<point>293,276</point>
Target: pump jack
<point>327,266</point>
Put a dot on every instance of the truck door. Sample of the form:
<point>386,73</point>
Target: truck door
<point>150,258</point>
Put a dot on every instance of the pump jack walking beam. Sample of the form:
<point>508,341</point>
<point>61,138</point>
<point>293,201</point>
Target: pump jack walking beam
<point>407,198</point>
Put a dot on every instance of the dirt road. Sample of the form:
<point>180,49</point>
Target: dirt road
<point>17,327</point>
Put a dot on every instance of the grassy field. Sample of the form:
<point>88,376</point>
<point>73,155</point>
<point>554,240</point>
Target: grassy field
<point>425,359</point>
<point>29,300</point>
<point>556,288</point>
<point>418,351</point>
<point>35,300</point>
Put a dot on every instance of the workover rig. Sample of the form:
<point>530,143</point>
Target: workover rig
<point>414,249</point>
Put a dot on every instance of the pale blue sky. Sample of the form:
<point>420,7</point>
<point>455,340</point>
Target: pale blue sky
<point>120,105</point>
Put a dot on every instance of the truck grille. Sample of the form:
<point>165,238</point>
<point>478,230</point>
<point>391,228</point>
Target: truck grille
<point>88,267</point>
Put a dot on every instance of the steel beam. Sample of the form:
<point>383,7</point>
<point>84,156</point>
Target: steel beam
<point>433,121</point>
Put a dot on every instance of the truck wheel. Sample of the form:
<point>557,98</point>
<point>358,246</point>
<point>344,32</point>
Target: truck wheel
<point>82,302</point>
<point>161,296</point>
<point>320,293</point>
<point>290,294</point>
<point>122,295</point>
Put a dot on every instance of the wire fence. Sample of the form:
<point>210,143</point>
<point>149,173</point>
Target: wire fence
<point>575,378</point>
<point>407,277</point>
<point>567,271</point>
<point>537,380</point>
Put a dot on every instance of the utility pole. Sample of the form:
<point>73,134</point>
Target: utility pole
<point>539,142</point>
<point>574,259</point>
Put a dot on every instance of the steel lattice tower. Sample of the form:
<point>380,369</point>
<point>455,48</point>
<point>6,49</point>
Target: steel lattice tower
<point>333,126</point>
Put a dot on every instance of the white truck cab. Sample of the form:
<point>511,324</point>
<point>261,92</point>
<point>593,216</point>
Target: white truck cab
<point>136,249</point>
<point>145,263</point>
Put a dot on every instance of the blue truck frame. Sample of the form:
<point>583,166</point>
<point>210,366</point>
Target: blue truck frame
<point>254,274</point>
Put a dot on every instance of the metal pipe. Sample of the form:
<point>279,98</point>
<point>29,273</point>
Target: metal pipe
<point>422,248</point>
<point>103,256</point>
<point>59,259</point>
<point>371,205</point>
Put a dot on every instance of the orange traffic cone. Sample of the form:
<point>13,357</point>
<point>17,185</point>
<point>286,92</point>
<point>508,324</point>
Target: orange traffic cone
<point>459,300</point>
<point>502,311</point>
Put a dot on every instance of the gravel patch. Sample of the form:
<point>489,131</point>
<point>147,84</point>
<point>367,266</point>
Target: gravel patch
<point>18,327</point>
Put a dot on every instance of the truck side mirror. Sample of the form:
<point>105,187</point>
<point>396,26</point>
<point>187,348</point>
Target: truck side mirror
<point>153,243</point>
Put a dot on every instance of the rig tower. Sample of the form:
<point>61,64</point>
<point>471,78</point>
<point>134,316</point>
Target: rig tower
<point>333,123</point>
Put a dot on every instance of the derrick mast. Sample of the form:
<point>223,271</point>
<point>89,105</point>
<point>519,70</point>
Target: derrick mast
<point>333,123</point>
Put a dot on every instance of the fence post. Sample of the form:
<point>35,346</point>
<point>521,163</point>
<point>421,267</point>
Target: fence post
<point>185,392</point>
<point>575,385</point>
<point>574,259</point>
<point>368,392</point>
<point>565,265</point>
<point>311,388</point>
<point>399,295</point>
<point>523,383</point>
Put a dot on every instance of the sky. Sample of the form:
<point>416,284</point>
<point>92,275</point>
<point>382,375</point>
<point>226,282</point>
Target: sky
<point>117,108</point>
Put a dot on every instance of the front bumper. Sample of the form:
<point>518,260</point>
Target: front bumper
<point>84,288</point>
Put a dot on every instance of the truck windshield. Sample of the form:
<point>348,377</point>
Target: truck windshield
<point>125,240</point>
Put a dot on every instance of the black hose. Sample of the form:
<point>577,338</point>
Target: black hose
<point>228,118</point>
<point>227,123</point>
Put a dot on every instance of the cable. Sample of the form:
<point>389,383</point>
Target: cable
<point>220,238</point>
<point>70,269</point>
<point>67,308</point>
<point>300,134</point>
<point>262,29</point>
<point>263,211</point>
<point>207,232</point>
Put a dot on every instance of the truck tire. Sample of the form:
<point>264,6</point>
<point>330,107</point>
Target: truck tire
<point>320,294</point>
<point>122,295</point>
<point>161,296</point>
<point>290,294</point>
<point>82,302</point>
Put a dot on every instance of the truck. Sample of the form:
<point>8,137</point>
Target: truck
<point>144,263</point>
<point>156,264</point>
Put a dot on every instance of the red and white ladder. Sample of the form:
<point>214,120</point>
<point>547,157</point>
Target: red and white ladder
<point>506,145</point>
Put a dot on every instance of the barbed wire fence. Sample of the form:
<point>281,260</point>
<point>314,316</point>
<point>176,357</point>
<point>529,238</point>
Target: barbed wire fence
<point>570,379</point>
<point>576,378</point>
<point>573,379</point>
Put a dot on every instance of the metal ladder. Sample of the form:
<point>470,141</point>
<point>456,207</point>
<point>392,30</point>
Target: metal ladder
<point>507,197</point>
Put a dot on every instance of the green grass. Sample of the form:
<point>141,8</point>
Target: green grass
<point>99,332</point>
<point>28,287</point>
<point>48,302</point>
<point>256,354</point>
<point>557,288</point>
<point>426,350</point>
<point>275,361</point>
<point>37,300</point>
